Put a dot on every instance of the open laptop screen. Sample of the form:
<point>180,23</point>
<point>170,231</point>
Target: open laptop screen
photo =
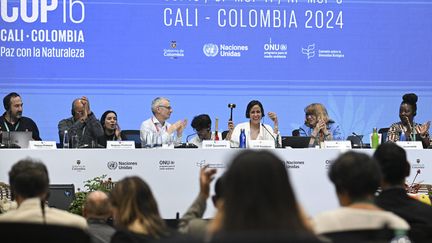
<point>295,141</point>
<point>18,138</point>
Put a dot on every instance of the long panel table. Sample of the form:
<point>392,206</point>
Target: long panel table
<point>173,173</point>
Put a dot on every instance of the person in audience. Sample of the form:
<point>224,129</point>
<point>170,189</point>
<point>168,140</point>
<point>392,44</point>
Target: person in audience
<point>254,128</point>
<point>406,129</point>
<point>29,183</point>
<point>319,126</point>
<point>136,213</point>
<point>356,177</point>
<point>392,161</point>
<point>202,126</point>
<point>192,222</point>
<point>258,201</point>
<point>111,128</point>
<point>83,124</point>
<point>13,120</point>
<point>161,109</point>
<point>97,211</point>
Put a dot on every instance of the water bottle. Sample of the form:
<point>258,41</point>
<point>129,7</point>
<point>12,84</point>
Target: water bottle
<point>402,137</point>
<point>66,140</point>
<point>375,139</point>
<point>242,139</point>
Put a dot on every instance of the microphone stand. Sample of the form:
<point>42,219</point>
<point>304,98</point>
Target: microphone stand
<point>275,139</point>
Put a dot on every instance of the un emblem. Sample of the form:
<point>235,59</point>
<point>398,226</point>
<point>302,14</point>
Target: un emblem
<point>112,165</point>
<point>210,49</point>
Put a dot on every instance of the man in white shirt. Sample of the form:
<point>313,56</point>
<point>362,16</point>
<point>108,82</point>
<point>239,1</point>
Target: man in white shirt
<point>158,125</point>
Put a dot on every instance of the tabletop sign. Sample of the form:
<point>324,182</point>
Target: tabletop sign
<point>42,145</point>
<point>337,144</point>
<point>211,144</point>
<point>120,144</point>
<point>261,144</point>
<point>410,144</point>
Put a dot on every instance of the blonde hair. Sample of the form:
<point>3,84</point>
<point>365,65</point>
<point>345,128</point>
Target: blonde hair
<point>319,111</point>
<point>134,200</point>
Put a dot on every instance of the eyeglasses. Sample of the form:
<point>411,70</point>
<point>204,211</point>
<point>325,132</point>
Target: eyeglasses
<point>309,114</point>
<point>166,107</point>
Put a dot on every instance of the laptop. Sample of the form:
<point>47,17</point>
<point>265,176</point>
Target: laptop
<point>61,196</point>
<point>295,142</point>
<point>14,138</point>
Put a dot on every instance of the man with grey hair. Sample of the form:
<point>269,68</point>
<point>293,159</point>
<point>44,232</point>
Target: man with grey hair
<point>97,210</point>
<point>157,124</point>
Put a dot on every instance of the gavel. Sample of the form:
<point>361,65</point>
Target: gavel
<point>231,106</point>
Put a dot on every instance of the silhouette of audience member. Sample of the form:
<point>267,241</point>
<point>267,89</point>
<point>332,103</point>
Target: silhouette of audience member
<point>356,177</point>
<point>136,213</point>
<point>192,222</point>
<point>258,203</point>
<point>395,168</point>
<point>97,210</point>
<point>29,184</point>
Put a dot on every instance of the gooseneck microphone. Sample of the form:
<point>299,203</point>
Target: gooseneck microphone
<point>359,137</point>
<point>188,136</point>
<point>415,177</point>
<point>275,139</point>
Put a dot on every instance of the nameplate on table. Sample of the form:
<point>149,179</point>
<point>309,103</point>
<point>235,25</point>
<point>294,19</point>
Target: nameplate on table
<point>337,144</point>
<point>42,145</point>
<point>261,144</point>
<point>120,144</point>
<point>220,144</point>
<point>410,144</point>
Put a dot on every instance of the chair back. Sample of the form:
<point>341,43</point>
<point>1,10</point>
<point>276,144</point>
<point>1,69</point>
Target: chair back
<point>384,132</point>
<point>47,233</point>
<point>384,235</point>
<point>132,135</point>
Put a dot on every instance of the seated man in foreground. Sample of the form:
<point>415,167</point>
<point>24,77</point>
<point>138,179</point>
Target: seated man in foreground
<point>29,183</point>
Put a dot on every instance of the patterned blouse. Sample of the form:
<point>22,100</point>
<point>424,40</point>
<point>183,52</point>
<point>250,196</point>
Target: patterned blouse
<point>395,130</point>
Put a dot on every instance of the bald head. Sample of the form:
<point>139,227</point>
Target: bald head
<point>97,206</point>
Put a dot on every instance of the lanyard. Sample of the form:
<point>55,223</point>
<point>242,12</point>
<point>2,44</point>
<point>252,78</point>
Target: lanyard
<point>7,126</point>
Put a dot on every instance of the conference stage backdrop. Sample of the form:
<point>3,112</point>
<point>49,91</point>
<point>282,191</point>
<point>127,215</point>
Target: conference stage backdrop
<point>357,57</point>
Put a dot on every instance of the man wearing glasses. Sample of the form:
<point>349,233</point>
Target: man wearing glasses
<point>157,124</point>
<point>83,127</point>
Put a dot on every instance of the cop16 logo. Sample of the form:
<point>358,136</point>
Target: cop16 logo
<point>31,11</point>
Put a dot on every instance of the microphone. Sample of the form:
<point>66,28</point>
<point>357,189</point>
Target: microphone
<point>187,144</point>
<point>275,140</point>
<point>359,137</point>
<point>411,187</point>
<point>188,136</point>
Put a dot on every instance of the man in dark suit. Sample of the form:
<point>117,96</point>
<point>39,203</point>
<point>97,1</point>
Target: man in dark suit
<point>395,168</point>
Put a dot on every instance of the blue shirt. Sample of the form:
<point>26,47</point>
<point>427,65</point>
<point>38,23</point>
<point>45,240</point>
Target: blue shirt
<point>333,128</point>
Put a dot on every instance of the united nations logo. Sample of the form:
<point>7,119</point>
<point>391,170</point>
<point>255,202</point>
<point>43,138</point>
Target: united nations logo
<point>112,165</point>
<point>283,47</point>
<point>210,50</point>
